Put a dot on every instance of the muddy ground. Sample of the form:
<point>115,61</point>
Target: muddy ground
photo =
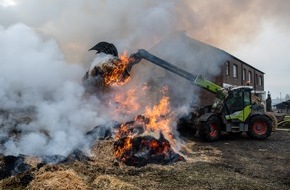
<point>230,163</point>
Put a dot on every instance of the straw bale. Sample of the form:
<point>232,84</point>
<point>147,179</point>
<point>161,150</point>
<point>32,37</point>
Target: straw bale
<point>113,183</point>
<point>61,180</point>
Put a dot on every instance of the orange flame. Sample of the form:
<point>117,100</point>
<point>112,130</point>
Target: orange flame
<point>126,147</point>
<point>160,116</point>
<point>156,119</point>
<point>114,75</point>
<point>127,102</point>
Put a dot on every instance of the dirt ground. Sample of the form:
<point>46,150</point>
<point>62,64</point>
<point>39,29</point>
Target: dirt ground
<point>230,163</point>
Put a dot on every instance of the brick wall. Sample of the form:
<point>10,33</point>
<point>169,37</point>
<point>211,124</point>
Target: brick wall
<point>236,73</point>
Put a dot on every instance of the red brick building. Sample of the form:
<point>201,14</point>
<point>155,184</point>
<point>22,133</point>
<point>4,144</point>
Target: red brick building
<point>236,72</point>
<point>212,63</point>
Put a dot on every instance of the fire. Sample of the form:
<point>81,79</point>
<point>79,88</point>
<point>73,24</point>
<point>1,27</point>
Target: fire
<point>143,141</point>
<point>161,117</point>
<point>115,74</point>
<point>126,103</point>
<point>112,72</point>
<point>155,119</point>
<point>127,145</point>
<point>129,102</point>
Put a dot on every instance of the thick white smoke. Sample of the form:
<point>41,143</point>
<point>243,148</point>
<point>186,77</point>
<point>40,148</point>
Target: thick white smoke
<point>35,78</point>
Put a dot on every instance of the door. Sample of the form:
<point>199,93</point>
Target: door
<point>238,104</point>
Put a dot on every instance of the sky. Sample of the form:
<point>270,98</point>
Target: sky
<point>256,31</point>
<point>269,53</point>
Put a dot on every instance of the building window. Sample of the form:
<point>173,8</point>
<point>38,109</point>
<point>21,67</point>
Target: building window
<point>257,79</point>
<point>244,74</point>
<point>250,76</point>
<point>261,81</point>
<point>227,68</point>
<point>235,71</point>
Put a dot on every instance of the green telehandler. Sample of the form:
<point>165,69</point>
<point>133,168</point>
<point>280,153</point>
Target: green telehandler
<point>233,110</point>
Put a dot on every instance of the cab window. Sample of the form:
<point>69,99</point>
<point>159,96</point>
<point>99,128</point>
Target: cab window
<point>235,101</point>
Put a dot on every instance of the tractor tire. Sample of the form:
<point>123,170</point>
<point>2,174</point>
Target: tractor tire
<point>210,130</point>
<point>185,127</point>
<point>260,127</point>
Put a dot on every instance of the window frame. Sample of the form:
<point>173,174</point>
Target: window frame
<point>235,70</point>
<point>250,76</point>
<point>244,74</point>
<point>260,80</point>
<point>227,68</point>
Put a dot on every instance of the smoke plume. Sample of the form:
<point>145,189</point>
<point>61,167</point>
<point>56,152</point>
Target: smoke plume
<point>79,24</point>
<point>36,80</point>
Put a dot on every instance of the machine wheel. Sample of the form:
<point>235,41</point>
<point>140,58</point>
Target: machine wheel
<point>185,126</point>
<point>210,130</point>
<point>260,127</point>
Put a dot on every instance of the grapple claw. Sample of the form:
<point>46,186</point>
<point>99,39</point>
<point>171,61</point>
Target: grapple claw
<point>105,47</point>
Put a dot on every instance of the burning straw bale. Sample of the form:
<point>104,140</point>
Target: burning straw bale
<point>134,147</point>
<point>61,180</point>
<point>113,183</point>
<point>112,72</point>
